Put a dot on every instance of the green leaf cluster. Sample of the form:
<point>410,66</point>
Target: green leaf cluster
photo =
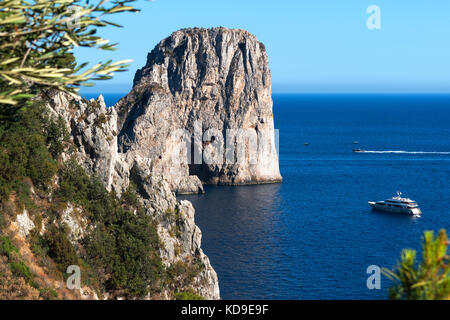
<point>187,295</point>
<point>37,39</point>
<point>427,280</point>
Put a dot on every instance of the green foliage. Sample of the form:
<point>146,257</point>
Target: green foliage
<point>123,248</point>
<point>60,248</point>
<point>41,167</point>
<point>24,150</point>
<point>187,295</point>
<point>57,135</point>
<point>427,280</point>
<point>19,269</point>
<point>130,196</point>
<point>37,39</point>
<point>22,190</point>
<point>88,192</point>
<point>16,265</point>
<point>181,274</point>
<point>48,293</point>
<point>74,185</point>
<point>6,247</point>
<point>39,247</point>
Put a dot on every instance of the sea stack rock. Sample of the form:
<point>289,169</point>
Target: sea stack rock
<point>201,111</point>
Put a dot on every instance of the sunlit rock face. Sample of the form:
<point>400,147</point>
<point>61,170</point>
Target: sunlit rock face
<point>214,85</point>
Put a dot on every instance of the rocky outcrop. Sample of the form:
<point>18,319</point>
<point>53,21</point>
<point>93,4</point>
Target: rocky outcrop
<point>72,218</point>
<point>213,86</point>
<point>24,223</point>
<point>180,236</point>
<point>93,128</point>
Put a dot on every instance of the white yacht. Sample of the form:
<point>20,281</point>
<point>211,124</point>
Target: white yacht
<point>397,204</point>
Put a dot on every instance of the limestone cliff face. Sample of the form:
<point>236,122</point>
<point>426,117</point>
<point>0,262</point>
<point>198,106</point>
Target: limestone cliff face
<point>210,83</point>
<point>93,129</point>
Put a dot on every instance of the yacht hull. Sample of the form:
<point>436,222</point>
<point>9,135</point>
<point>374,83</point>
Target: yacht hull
<point>385,208</point>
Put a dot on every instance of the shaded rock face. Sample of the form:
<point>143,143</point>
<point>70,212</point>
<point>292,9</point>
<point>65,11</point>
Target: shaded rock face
<point>211,83</point>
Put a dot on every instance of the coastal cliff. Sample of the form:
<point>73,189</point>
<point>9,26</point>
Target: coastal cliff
<point>214,85</point>
<point>93,130</point>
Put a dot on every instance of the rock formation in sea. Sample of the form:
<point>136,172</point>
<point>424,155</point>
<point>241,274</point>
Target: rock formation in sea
<point>215,85</point>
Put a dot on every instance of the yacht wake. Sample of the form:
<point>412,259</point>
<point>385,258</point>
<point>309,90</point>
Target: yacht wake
<point>405,152</point>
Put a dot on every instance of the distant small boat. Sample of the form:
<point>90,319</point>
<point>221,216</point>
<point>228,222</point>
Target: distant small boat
<point>397,204</point>
<point>358,150</point>
<point>355,142</point>
<point>306,144</point>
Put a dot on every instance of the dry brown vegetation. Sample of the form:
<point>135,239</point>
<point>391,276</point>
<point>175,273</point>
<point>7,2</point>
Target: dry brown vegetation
<point>14,288</point>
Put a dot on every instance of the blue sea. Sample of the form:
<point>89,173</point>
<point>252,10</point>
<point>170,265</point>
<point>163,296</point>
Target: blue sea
<point>314,235</point>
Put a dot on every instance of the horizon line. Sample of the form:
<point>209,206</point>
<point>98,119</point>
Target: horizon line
<point>306,93</point>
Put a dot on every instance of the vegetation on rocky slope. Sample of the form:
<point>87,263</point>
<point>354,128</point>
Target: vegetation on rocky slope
<point>29,145</point>
<point>70,217</point>
<point>119,252</point>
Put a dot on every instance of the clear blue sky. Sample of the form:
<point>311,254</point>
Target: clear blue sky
<point>313,45</point>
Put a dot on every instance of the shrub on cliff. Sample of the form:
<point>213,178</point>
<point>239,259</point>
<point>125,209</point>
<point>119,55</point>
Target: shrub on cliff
<point>130,197</point>
<point>16,265</point>
<point>123,248</point>
<point>56,136</point>
<point>74,184</point>
<point>60,248</point>
<point>181,273</point>
<point>124,251</point>
<point>187,295</point>
<point>20,269</point>
<point>24,150</point>
<point>6,246</point>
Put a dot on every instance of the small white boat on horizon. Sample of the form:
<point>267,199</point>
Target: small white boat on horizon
<point>397,204</point>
